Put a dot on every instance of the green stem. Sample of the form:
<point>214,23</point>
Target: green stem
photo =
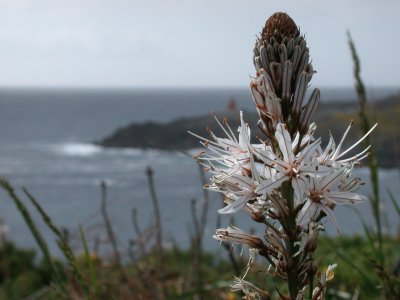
<point>372,160</point>
<point>292,268</point>
<point>311,286</point>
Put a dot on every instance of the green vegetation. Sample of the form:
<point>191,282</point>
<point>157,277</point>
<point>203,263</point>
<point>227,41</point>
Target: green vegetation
<point>21,275</point>
<point>174,273</point>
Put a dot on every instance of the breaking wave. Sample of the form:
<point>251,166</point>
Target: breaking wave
<point>78,149</point>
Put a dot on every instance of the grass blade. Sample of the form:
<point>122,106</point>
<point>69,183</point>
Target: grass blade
<point>89,260</point>
<point>34,230</point>
<point>367,230</point>
<point>28,219</point>
<point>394,201</point>
<point>347,260</point>
<point>61,242</point>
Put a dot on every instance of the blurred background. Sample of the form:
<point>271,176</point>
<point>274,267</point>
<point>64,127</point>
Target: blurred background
<point>73,74</point>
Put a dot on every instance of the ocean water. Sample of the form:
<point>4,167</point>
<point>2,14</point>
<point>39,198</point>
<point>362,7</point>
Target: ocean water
<point>46,146</point>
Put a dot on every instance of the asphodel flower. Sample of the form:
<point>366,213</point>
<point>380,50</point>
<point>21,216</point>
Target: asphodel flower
<point>290,167</point>
<point>324,193</point>
<point>286,181</point>
<point>229,152</point>
<point>333,155</point>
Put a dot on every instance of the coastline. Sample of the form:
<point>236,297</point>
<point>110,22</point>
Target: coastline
<point>333,118</point>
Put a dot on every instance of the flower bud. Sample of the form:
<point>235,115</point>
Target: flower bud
<point>235,235</point>
<point>282,59</point>
<point>257,217</point>
<point>311,268</point>
<point>311,243</point>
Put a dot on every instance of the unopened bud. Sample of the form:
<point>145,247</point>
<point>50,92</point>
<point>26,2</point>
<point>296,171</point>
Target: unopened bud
<point>235,235</point>
<point>282,266</point>
<point>281,23</point>
<point>311,268</point>
<point>258,217</point>
<point>311,244</point>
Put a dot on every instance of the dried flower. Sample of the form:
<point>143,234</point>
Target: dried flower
<point>329,274</point>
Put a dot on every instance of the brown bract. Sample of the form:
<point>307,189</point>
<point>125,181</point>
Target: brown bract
<point>283,24</point>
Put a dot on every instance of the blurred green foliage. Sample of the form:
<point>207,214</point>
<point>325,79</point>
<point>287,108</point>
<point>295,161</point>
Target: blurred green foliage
<point>355,269</point>
<point>22,275</point>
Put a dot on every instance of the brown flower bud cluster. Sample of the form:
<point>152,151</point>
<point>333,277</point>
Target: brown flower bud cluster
<point>282,61</point>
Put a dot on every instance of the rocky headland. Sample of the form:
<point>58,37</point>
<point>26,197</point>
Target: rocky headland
<point>331,117</point>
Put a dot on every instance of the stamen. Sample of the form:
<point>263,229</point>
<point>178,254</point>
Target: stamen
<point>359,141</point>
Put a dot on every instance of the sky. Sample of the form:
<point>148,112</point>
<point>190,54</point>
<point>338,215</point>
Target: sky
<point>185,43</point>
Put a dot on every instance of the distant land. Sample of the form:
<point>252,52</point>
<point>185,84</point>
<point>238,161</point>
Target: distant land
<point>331,117</point>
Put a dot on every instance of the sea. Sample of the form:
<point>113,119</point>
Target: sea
<point>47,146</point>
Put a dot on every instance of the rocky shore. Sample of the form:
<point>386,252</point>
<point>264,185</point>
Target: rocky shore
<point>331,117</point>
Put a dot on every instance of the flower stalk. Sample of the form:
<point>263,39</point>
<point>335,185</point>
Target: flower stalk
<point>287,182</point>
<point>372,160</point>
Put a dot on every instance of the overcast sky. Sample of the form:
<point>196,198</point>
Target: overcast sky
<point>185,43</point>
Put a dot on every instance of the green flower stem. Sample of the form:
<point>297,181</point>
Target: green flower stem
<point>292,267</point>
<point>372,160</point>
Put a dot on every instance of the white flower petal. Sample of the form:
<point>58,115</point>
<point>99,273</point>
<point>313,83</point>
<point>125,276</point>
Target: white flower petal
<point>268,185</point>
<point>269,158</point>
<point>310,150</point>
<point>330,148</point>
<point>285,143</point>
<point>234,206</point>
<point>304,211</point>
<point>330,215</point>
<point>342,198</point>
<point>299,189</point>
<point>332,179</point>
<point>315,170</point>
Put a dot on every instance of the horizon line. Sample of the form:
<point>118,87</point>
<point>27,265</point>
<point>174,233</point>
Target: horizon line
<point>166,88</point>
